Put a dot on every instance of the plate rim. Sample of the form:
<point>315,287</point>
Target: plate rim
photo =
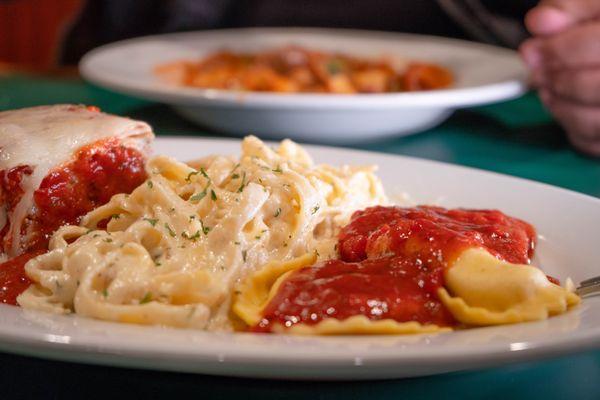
<point>90,348</point>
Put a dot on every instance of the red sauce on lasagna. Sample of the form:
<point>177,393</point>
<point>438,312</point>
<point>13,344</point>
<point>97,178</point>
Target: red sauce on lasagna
<point>96,173</point>
<point>392,263</point>
<point>13,280</point>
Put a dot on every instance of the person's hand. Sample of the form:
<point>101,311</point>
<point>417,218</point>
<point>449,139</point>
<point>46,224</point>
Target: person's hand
<point>564,58</point>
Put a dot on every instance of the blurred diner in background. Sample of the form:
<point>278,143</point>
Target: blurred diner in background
<point>558,39</point>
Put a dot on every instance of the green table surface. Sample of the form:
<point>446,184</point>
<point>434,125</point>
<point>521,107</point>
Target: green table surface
<point>517,138</point>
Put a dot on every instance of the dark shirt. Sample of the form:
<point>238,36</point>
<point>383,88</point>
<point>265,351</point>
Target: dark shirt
<point>104,21</point>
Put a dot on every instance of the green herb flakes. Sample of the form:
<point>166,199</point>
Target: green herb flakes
<point>243,185</point>
<point>189,177</point>
<point>147,298</point>
<point>151,221</point>
<point>197,197</point>
<point>171,231</point>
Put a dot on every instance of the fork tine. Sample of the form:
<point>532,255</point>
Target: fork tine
<point>592,281</point>
<point>589,290</point>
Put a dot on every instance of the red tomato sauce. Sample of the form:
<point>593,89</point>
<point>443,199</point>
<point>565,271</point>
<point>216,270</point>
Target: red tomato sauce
<point>392,263</point>
<point>13,280</point>
<point>435,233</point>
<point>96,173</point>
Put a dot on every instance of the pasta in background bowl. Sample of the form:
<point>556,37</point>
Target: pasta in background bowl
<point>481,74</point>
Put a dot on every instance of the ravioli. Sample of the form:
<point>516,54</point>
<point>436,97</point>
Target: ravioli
<point>483,290</point>
<point>258,291</point>
<point>418,270</point>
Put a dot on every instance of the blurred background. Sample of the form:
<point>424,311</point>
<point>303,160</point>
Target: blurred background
<point>46,34</point>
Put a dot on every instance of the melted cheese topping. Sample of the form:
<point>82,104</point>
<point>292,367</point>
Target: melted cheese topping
<point>175,248</point>
<point>483,290</point>
<point>47,136</point>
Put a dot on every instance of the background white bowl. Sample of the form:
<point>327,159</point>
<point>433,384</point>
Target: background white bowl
<point>484,74</point>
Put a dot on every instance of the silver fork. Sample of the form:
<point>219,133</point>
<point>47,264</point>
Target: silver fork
<point>589,287</point>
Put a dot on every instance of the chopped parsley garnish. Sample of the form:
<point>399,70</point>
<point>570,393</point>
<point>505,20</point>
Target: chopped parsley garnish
<point>199,196</point>
<point>243,185</point>
<point>108,240</point>
<point>278,170</point>
<point>189,177</point>
<point>204,174</point>
<point>150,184</point>
<point>115,216</point>
<point>213,195</point>
<point>192,217</point>
<point>278,212</point>
<point>233,175</point>
<point>237,243</point>
<point>105,293</point>
<point>157,263</point>
<point>193,237</point>
<point>257,237</point>
<point>151,221</point>
<point>205,229</point>
<point>171,231</point>
<point>244,255</point>
<point>147,298</point>
<point>315,209</point>
<point>334,67</point>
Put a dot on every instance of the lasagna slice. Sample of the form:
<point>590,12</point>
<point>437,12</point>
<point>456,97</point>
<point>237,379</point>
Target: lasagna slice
<point>59,162</point>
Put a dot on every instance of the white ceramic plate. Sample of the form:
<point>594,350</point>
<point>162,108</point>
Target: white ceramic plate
<point>569,223</point>
<point>484,74</point>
